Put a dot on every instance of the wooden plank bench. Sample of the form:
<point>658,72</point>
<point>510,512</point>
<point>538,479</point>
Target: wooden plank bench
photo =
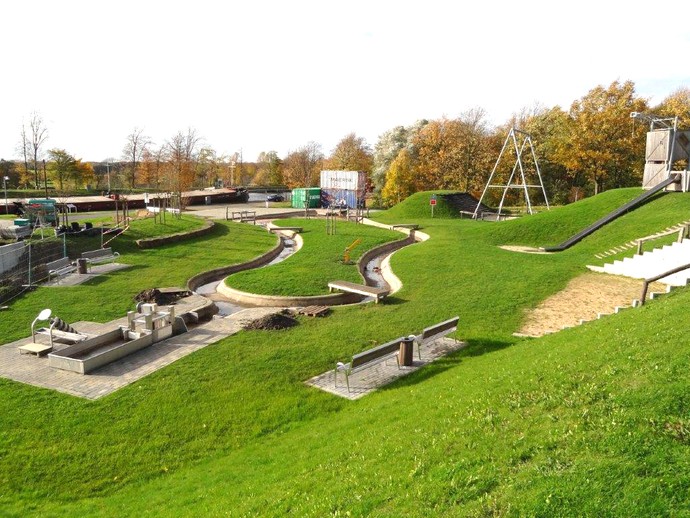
<point>410,226</point>
<point>368,358</point>
<point>102,255</point>
<point>432,333</point>
<point>361,289</point>
<point>60,267</point>
<point>271,227</point>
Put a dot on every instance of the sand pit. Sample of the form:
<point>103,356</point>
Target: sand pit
<point>582,299</point>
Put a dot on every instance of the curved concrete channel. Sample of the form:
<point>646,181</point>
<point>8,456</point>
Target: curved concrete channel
<point>374,267</point>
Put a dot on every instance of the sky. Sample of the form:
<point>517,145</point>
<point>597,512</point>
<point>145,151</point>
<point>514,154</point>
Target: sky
<point>273,75</point>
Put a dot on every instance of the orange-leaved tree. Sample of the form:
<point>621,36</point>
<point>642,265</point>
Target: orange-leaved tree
<point>602,144</point>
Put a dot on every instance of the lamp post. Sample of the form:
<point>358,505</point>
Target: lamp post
<point>4,185</point>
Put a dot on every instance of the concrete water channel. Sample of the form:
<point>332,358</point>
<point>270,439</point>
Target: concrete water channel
<point>375,272</point>
<point>227,307</point>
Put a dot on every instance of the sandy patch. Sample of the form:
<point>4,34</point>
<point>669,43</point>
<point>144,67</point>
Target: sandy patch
<point>582,299</point>
<point>524,249</point>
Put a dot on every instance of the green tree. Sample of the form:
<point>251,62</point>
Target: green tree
<point>62,167</point>
<point>352,153</point>
<point>400,179</point>
<point>602,145</point>
<point>270,168</point>
<point>10,170</point>
<point>386,150</point>
<point>207,167</point>
<point>550,131</point>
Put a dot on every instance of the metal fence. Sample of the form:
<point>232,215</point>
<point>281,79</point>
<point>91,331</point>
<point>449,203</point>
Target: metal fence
<point>23,264</point>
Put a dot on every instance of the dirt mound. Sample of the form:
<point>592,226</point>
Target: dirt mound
<point>281,320</point>
<point>162,297</point>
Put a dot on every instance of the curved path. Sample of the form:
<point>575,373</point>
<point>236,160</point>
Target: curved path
<point>374,267</point>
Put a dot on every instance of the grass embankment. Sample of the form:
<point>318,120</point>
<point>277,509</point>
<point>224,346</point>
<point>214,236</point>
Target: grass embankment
<point>590,421</point>
<point>309,270</point>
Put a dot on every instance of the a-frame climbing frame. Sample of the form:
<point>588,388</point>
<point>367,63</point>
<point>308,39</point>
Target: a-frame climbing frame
<point>521,141</point>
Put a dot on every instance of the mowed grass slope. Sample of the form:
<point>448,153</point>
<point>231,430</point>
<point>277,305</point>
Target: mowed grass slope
<point>589,421</point>
<point>321,260</point>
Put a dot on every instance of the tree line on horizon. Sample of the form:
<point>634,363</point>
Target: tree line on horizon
<point>592,146</point>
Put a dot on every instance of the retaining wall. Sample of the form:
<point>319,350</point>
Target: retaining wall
<point>224,271</point>
<point>153,242</point>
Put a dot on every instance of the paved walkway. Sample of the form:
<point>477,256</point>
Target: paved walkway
<point>73,279</point>
<point>30,369</point>
<point>371,378</point>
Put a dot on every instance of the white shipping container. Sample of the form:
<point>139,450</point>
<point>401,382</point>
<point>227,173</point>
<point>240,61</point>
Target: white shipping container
<point>345,180</point>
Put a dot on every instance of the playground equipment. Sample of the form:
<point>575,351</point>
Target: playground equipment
<point>521,141</point>
<point>58,330</point>
<point>613,215</point>
<point>666,147</point>
<point>40,212</point>
<point>349,249</point>
<point>143,328</point>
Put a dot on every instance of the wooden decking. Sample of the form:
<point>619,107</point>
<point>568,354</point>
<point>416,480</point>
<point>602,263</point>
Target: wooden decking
<point>315,311</point>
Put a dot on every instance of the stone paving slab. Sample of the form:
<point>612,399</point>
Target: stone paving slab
<point>73,279</point>
<point>371,378</point>
<point>33,370</point>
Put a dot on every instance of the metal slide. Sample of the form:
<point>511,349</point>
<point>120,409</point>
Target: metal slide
<point>613,215</point>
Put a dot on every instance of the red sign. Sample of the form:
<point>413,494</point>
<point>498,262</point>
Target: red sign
<point>432,201</point>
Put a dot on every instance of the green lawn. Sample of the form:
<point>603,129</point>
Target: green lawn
<point>590,421</point>
<point>309,270</point>
<point>112,295</point>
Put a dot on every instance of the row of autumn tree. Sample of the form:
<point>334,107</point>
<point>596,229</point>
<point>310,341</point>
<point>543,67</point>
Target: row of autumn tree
<point>594,145</point>
<point>181,163</point>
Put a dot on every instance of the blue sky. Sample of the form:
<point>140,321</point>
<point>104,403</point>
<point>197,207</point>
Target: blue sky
<point>272,75</point>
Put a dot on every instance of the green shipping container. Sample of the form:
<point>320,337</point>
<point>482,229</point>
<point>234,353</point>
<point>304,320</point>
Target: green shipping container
<point>312,195</point>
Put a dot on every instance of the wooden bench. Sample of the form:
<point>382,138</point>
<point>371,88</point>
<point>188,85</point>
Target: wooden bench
<point>432,333</point>
<point>367,358</point>
<point>361,289</point>
<point>60,267</point>
<point>102,255</point>
<point>271,227</point>
<point>409,226</point>
<point>242,215</point>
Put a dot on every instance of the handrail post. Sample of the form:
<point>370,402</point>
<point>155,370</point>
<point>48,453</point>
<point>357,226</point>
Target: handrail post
<point>645,286</point>
<point>639,247</point>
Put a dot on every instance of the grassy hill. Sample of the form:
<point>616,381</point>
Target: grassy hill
<point>318,262</point>
<point>590,421</point>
